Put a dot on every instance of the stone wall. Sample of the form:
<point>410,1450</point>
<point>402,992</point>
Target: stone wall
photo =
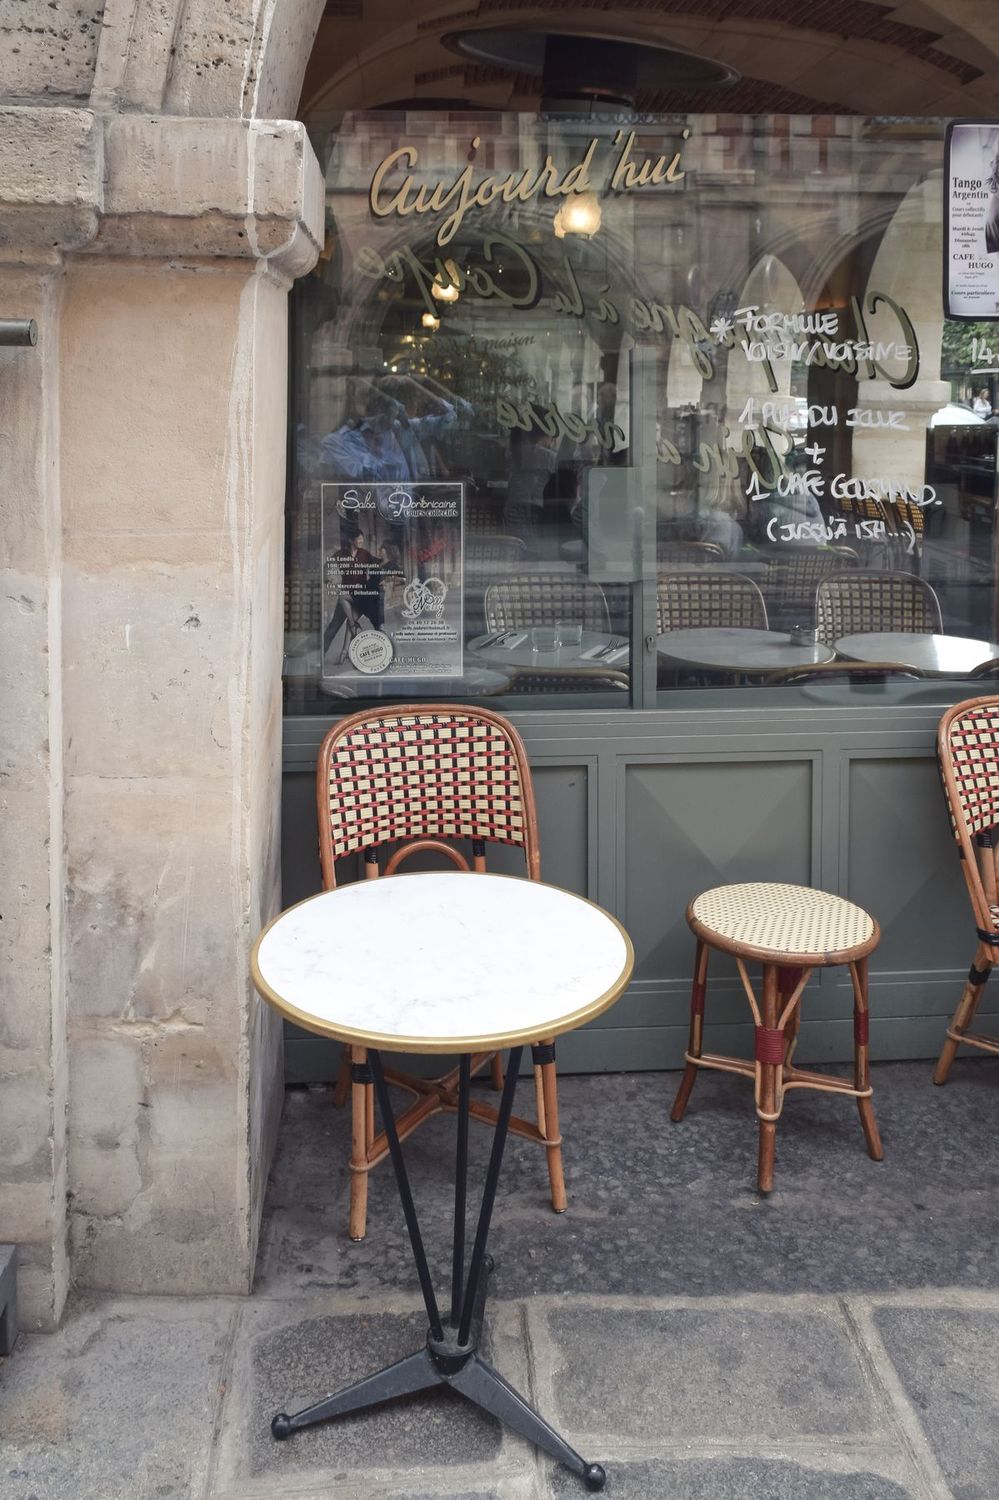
<point>142,559</point>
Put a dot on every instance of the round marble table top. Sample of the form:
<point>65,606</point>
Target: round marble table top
<point>442,962</point>
<point>729,648</point>
<point>521,653</point>
<point>940,655</point>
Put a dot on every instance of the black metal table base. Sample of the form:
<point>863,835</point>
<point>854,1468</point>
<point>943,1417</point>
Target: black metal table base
<point>451,1356</point>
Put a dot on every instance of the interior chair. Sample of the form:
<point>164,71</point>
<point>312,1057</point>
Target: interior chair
<point>986,669</point>
<point>792,578</point>
<point>398,781</point>
<point>486,552</point>
<point>688,552</point>
<point>695,597</point>
<point>968,756</point>
<point>524,599</point>
<point>841,671</point>
<point>857,602</point>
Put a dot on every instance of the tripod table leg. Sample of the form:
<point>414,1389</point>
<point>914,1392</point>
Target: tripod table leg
<point>487,1389</point>
<point>417,1372</point>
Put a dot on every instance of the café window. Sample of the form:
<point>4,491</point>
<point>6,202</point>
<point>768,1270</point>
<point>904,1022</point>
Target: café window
<point>597,412</point>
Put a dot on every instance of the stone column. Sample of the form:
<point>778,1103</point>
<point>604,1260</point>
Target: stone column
<point>168,451</point>
<point>49,196</point>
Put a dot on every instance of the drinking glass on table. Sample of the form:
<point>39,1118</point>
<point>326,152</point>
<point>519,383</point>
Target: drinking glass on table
<point>544,638</point>
<point>569,634</point>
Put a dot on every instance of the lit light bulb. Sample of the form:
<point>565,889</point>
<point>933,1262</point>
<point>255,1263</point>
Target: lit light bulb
<point>446,290</point>
<point>580,214</point>
<point>429,321</point>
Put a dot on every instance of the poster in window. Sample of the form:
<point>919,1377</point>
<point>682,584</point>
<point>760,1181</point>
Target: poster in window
<point>392,580</point>
<point>971,220</point>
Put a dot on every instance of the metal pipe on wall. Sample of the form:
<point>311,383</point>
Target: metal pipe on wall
<point>19,331</point>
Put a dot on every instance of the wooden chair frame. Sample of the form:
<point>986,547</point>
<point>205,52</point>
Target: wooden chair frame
<point>777,1018</point>
<point>432,1095</point>
<point>974,817</point>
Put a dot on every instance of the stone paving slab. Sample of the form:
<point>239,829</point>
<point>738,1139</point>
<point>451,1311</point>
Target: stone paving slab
<point>661,1209</point>
<point>947,1359</point>
<point>699,1375</point>
<point>734,1479</point>
<point>118,1405</point>
<point>289,1355</point>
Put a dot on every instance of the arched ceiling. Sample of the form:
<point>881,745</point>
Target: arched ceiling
<point>247,58</point>
<point>883,57</point>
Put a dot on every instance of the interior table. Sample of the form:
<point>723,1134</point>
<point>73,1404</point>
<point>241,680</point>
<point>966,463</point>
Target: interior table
<point>730,648</point>
<point>936,655</point>
<point>596,649</point>
<point>474,682</point>
<point>445,963</point>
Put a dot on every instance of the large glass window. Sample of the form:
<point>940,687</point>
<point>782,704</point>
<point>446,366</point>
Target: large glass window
<point>595,411</point>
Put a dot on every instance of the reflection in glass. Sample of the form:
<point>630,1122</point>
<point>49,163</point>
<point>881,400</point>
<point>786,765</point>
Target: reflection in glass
<point>726,401</point>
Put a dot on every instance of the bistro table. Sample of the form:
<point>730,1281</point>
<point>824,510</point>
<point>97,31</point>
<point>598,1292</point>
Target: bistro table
<point>445,963</point>
<point>730,648</point>
<point>559,662</point>
<point>936,655</point>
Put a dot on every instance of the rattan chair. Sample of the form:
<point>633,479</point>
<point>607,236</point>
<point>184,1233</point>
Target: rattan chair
<point>303,599</point>
<point>525,599</point>
<point>792,578</point>
<point>688,553</point>
<point>841,671</point>
<point>685,600</point>
<point>986,670</point>
<point>487,552</point>
<point>420,778</point>
<point>856,603</point>
<point>968,756</point>
<point>578,680</point>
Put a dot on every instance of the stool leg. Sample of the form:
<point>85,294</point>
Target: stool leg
<point>861,1060</point>
<point>358,1150</point>
<point>974,989</point>
<point>696,1039</point>
<point>496,1071</point>
<point>556,1176</point>
<point>768,1085</point>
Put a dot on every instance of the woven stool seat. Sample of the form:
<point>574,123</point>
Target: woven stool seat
<point>791,930</point>
<point>783,922</point>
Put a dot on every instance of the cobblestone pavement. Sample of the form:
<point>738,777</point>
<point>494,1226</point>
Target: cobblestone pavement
<point>834,1342</point>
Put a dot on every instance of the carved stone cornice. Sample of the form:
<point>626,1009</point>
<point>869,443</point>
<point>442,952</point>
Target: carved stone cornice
<point>75,181</point>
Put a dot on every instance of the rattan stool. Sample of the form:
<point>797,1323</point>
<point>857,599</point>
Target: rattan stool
<point>791,930</point>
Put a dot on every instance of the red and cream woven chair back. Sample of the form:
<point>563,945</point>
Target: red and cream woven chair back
<point>423,777</point>
<point>968,755</point>
<point>686,600</point>
<point>526,599</point>
<point>858,602</point>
